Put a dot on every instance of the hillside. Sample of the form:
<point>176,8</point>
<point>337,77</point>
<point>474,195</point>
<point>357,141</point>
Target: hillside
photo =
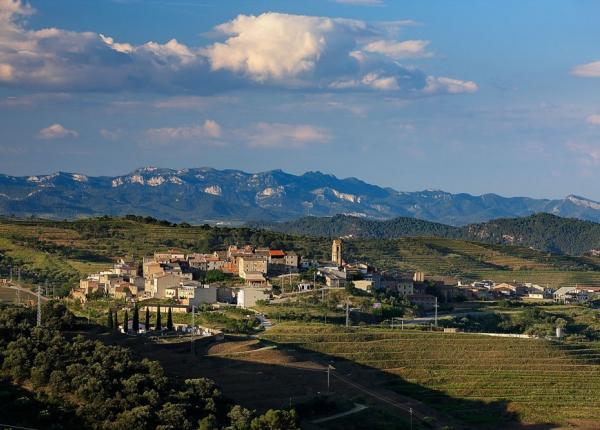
<point>62,251</point>
<point>200,195</point>
<point>542,231</point>
<point>484,382</point>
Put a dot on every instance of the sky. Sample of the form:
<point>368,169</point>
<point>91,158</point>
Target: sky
<point>464,96</point>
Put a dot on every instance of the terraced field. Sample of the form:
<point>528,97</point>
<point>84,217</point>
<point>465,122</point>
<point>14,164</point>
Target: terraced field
<point>477,379</point>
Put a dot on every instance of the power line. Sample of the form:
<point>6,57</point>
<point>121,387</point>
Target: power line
<point>39,306</point>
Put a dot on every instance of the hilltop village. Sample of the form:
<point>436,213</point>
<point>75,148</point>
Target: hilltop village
<point>245,275</point>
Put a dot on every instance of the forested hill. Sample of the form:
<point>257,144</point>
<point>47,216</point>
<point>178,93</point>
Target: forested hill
<point>541,231</point>
<point>345,225</point>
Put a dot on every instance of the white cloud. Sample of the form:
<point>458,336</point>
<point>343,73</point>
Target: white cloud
<point>593,119</point>
<point>400,50</point>
<point>589,70</point>
<point>271,49</point>
<point>449,85</point>
<point>280,46</point>
<point>285,135</point>
<point>57,131</point>
<point>209,130</point>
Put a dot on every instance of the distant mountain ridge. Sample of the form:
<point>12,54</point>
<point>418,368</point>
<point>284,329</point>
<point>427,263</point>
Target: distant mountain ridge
<point>204,194</point>
<point>545,232</point>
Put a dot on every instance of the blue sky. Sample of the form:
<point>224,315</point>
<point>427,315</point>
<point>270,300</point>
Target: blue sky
<point>468,96</point>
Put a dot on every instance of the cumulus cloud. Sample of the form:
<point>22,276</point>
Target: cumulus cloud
<point>209,130</point>
<point>589,70</point>
<point>593,119</point>
<point>57,131</point>
<point>286,135</point>
<point>284,47</point>
<point>272,49</point>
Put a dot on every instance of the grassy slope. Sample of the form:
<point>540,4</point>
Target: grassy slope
<point>63,251</point>
<point>477,379</point>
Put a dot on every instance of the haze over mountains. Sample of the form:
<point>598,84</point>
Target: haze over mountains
<point>204,194</point>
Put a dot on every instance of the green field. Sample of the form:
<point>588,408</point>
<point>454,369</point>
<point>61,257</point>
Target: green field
<point>476,379</point>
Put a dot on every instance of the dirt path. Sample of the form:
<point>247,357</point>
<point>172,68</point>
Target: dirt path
<point>357,408</point>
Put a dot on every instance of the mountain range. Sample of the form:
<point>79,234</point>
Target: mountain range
<point>205,194</point>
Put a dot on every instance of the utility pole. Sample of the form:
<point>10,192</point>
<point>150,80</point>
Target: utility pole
<point>39,306</point>
<point>193,329</point>
<point>436,312</point>
<point>410,410</point>
<point>347,314</point>
<point>10,274</point>
<point>329,368</point>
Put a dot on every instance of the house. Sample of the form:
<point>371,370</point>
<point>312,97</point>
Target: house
<point>158,284</point>
<point>364,284</point>
<point>252,264</point>
<point>570,295</point>
<point>121,292</point>
<point>333,278</point>
<point>424,301</point>
<point>255,279</point>
<point>537,295</point>
<point>402,285</point>
<point>247,297</point>
<point>516,289</point>
<point>192,295</point>
<point>206,262</point>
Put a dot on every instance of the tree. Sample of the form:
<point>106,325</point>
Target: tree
<point>126,322</point>
<point>158,325</point>
<point>209,422</point>
<point>241,418</point>
<point>147,321</point>
<point>276,420</point>
<point>170,320</point>
<point>116,321</point>
<point>110,323</point>
<point>135,325</point>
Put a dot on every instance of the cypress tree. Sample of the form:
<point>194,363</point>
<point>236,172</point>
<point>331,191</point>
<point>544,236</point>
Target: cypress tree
<point>126,322</point>
<point>158,325</point>
<point>170,320</point>
<point>116,321</point>
<point>109,322</point>
<point>135,325</point>
<point>147,319</point>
